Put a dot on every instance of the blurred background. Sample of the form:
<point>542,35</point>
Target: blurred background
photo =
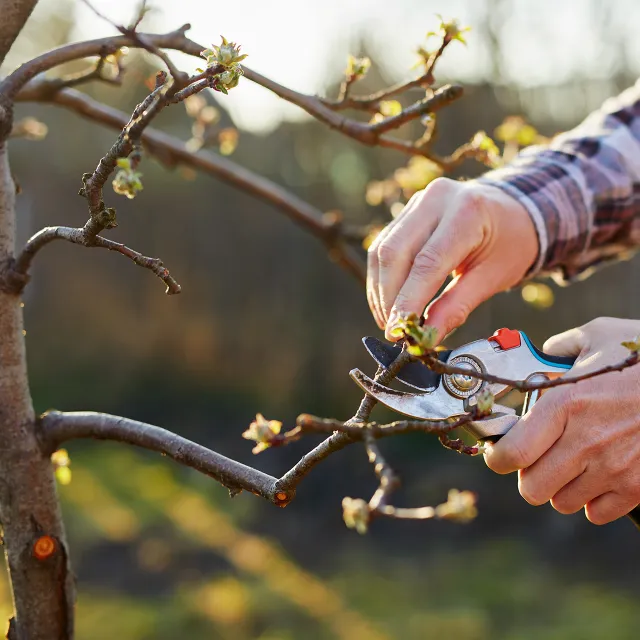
<point>265,323</point>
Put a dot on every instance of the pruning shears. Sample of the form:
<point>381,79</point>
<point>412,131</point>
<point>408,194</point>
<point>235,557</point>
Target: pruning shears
<point>508,353</point>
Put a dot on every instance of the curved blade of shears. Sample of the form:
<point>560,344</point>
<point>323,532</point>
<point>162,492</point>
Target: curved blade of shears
<point>434,407</point>
<point>413,374</point>
<point>423,406</point>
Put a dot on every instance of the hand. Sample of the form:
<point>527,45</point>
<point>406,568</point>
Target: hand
<point>579,446</point>
<point>478,232</point>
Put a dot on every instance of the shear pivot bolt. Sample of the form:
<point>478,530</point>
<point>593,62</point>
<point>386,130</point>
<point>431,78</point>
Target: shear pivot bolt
<point>462,382</point>
<point>462,385</point>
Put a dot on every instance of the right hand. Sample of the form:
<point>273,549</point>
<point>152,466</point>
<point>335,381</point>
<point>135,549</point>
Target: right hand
<point>478,233</point>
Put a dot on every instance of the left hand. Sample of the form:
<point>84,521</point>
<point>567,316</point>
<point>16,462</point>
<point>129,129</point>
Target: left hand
<point>579,446</point>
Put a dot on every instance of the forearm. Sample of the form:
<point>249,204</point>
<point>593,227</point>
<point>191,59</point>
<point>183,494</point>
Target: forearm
<point>582,190</point>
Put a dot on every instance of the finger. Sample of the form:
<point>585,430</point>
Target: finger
<point>541,481</point>
<point>398,251</point>
<point>461,296</point>
<point>445,250</point>
<point>372,288</point>
<point>373,266</point>
<point>532,436</point>
<point>608,507</point>
<point>568,343</point>
<point>575,495</point>
<point>400,244</point>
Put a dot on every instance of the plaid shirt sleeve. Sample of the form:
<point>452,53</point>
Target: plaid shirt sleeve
<point>582,191</point>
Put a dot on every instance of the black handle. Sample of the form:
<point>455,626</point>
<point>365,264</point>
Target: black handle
<point>559,360</point>
<point>634,514</point>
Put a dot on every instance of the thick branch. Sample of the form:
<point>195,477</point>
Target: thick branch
<point>15,14</point>
<point>20,270</point>
<point>171,151</point>
<point>57,427</point>
<point>11,85</point>
<point>43,587</point>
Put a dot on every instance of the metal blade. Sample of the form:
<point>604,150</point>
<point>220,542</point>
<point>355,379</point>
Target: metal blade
<point>421,406</point>
<point>429,407</point>
<point>413,374</point>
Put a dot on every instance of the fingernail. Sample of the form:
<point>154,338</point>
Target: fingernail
<point>393,318</point>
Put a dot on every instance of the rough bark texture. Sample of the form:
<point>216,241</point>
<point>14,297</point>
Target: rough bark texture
<point>33,533</point>
<point>13,15</point>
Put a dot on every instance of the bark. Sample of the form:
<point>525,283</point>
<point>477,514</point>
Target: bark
<point>33,532</point>
<point>14,14</point>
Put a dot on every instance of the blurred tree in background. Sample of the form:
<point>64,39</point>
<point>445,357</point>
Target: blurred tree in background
<point>159,551</point>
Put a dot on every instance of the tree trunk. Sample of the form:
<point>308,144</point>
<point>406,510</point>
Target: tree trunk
<point>33,532</point>
<point>14,15</point>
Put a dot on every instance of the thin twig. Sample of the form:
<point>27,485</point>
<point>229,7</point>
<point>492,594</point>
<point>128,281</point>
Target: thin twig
<point>389,481</point>
<point>172,152</point>
<point>312,424</point>
<point>372,102</point>
<point>77,236</point>
<point>458,445</point>
<point>399,513</point>
<point>528,385</point>
<point>179,77</point>
<point>441,98</point>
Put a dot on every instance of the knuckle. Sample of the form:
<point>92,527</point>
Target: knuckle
<point>531,492</point>
<point>427,261</point>
<point>596,327</point>
<point>458,315</point>
<point>613,468</point>
<point>388,253</point>
<point>598,323</point>
<point>439,186</point>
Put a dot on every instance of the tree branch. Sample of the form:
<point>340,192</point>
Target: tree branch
<point>15,14</point>
<point>171,152</point>
<point>389,481</point>
<point>441,98</point>
<point>20,271</point>
<point>341,439</point>
<point>528,385</point>
<point>357,430</point>
<point>180,77</point>
<point>57,427</point>
<point>372,102</point>
<point>369,134</point>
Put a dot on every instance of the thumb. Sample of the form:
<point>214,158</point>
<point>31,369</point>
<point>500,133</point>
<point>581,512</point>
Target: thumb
<point>569,343</point>
<point>531,437</point>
